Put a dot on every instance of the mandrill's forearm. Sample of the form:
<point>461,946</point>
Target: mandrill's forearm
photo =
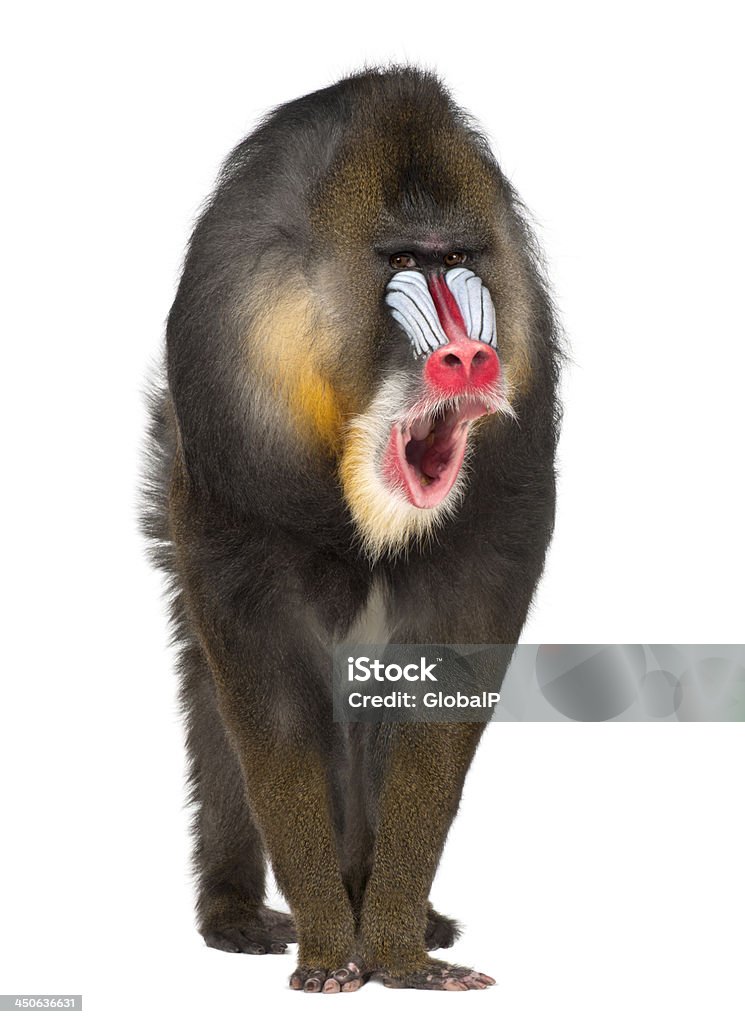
<point>420,795</point>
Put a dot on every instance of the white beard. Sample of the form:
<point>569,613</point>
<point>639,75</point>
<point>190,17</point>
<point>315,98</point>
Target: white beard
<point>387,522</point>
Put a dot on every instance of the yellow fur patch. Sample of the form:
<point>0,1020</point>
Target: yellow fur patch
<point>296,348</point>
<point>314,402</point>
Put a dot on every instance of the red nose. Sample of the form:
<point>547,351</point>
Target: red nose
<point>460,366</point>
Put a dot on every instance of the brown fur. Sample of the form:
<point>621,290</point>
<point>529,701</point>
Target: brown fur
<point>284,372</point>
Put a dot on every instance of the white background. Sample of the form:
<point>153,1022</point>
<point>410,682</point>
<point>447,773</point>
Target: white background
<point>598,868</point>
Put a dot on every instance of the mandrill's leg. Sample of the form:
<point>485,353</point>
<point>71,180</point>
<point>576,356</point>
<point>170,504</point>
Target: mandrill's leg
<point>270,691</point>
<point>419,795</point>
<point>229,856</point>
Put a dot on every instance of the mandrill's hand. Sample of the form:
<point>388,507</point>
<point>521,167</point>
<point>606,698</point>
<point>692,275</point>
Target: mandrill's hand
<point>400,960</point>
<point>436,975</point>
<point>328,980</point>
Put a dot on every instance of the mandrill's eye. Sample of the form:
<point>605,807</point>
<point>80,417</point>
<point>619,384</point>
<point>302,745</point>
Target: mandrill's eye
<point>403,261</point>
<point>454,258</point>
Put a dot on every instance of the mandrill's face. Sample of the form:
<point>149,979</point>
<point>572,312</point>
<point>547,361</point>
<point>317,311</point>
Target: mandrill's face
<point>403,465</point>
<point>449,321</point>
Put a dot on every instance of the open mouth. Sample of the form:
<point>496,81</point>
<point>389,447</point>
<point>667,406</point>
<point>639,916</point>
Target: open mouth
<point>425,454</point>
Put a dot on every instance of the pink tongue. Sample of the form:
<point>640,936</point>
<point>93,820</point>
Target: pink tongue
<point>436,458</point>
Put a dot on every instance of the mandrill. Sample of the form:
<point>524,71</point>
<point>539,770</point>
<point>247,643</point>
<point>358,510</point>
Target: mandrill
<point>356,432</point>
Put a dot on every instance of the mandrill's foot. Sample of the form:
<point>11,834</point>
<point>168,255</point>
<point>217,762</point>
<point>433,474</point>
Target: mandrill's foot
<point>319,979</point>
<point>441,932</point>
<point>259,930</point>
<point>437,976</point>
